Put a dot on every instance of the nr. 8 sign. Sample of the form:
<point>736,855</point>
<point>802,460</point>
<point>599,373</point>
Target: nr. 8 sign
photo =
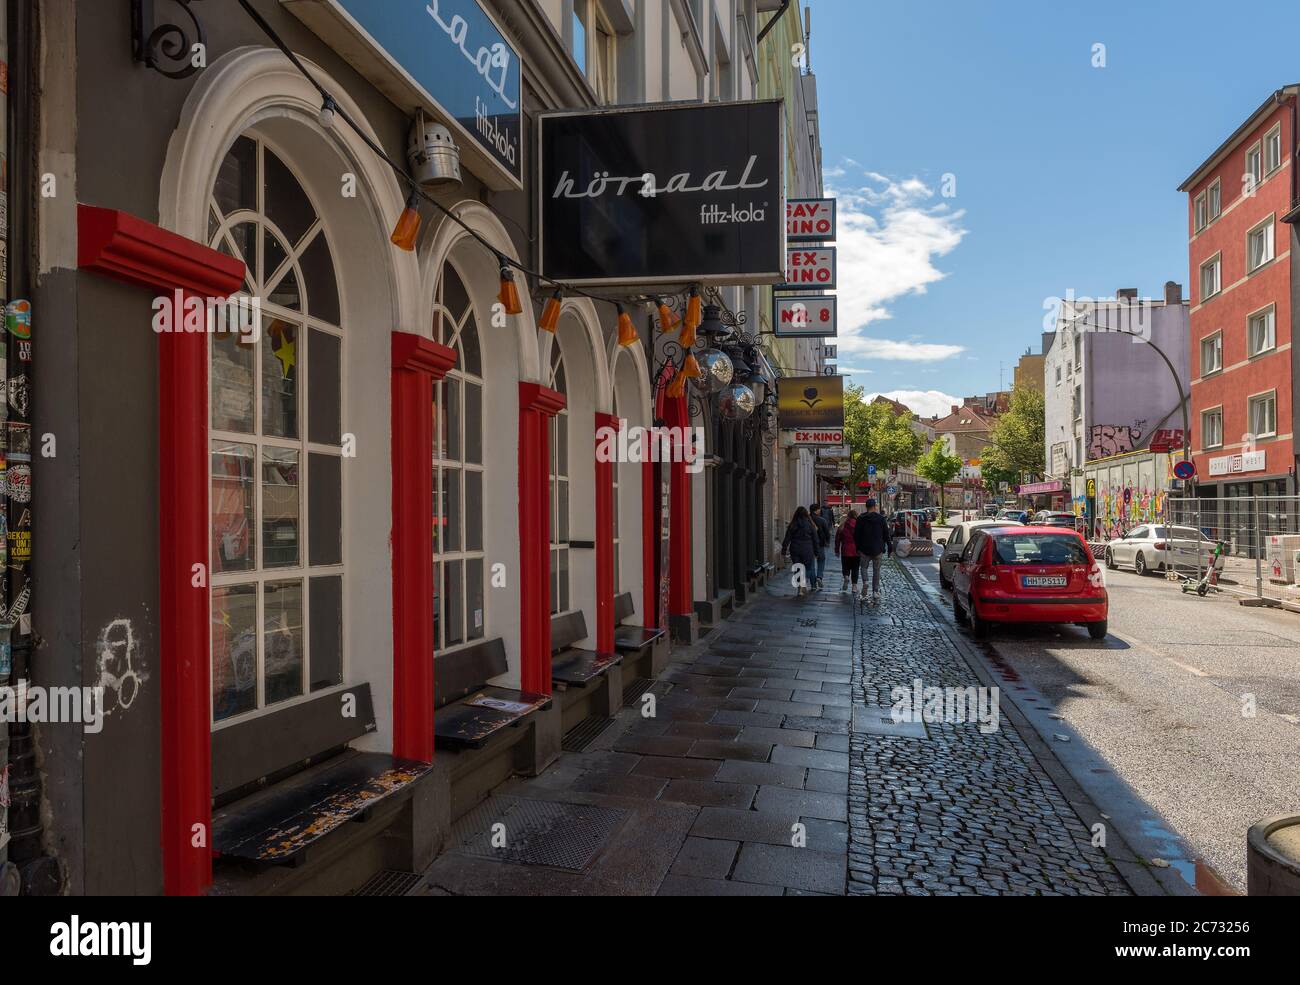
<point>810,316</point>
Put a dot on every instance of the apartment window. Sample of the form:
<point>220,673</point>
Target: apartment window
<point>1212,428</point>
<point>1273,150</point>
<point>1210,277</point>
<point>1255,162</point>
<point>1202,213</point>
<point>1259,245</point>
<point>1211,353</point>
<point>559,484</point>
<point>459,612</point>
<point>1078,402</point>
<point>595,48</point>
<point>1078,349</point>
<point>1262,414</point>
<point>1058,374</point>
<point>1212,201</point>
<point>1261,334</point>
<point>275,476</point>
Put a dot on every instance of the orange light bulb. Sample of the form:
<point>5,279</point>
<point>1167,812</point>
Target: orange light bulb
<point>408,224</point>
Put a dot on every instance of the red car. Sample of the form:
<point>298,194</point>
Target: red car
<point>1028,574</point>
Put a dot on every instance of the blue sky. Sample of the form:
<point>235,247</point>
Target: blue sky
<point>1065,174</point>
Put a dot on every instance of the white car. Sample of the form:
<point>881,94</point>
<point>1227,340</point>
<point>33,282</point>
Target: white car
<point>1154,547</point>
<point>956,541</point>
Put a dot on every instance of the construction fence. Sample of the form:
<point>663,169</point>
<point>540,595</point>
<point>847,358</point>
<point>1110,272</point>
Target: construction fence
<point>1260,537</point>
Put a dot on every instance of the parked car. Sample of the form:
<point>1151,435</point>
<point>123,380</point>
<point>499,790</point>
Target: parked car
<point>1054,518</point>
<point>991,510</point>
<point>956,542</point>
<point>1152,547</point>
<point>1028,575</point>
<point>1014,515</point>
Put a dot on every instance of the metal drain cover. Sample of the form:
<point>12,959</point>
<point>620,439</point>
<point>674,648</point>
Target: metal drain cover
<point>388,882</point>
<point>537,832</point>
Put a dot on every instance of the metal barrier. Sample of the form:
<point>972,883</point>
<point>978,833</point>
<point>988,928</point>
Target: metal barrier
<point>1261,537</point>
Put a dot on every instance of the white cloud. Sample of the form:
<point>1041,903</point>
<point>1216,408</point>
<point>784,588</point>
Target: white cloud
<point>927,403</point>
<point>890,233</point>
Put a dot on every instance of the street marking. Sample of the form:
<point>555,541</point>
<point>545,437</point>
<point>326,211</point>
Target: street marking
<point>1186,667</point>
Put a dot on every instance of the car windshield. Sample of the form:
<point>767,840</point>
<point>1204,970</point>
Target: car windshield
<point>1038,549</point>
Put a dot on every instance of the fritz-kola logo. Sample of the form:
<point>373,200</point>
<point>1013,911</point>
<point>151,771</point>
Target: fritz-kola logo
<point>712,215</point>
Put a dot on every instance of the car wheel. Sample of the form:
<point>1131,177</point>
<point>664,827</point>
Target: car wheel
<point>1140,565</point>
<point>1097,630</point>
<point>943,582</point>
<point>958,612</point>
<point>979,626</point>
<point>1110,560</point>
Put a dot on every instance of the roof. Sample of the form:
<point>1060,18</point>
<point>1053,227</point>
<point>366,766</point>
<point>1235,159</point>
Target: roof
<point>965,420</point>
<point>1240,134</point>
<point>898,408</point>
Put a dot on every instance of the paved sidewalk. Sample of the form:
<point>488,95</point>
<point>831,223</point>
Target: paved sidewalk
<point>746,780</point>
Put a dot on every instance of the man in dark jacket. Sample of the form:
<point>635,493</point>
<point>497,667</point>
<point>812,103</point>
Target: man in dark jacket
<point>824,535</point>
<point>871,535</point>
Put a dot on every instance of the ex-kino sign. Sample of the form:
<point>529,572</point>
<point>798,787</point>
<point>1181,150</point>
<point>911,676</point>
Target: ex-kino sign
<point>809,268</point>
<point>809,219</point>
<point>795,437</point>
<point>809,316</point>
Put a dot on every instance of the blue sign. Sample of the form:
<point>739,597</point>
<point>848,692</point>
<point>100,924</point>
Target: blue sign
<point>871,470</point>
<point>461,64</point>
<point>1184,470</point>
<point>891,490</point>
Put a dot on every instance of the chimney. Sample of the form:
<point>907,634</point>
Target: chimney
<point>955,408</point>
<point>1173,293</point>
<point>1127,294</point>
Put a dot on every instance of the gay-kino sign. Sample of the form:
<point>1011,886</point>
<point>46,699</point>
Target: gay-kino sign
<point>809,316</point>
<point>809,267</point>
<point>809,219</point>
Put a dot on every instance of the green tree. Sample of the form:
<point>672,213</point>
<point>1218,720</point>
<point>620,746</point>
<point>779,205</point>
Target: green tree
<point>877,436</point>
<point>1016,441</point>
<point>940,468</point>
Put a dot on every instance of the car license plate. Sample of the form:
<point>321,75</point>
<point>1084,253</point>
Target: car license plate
<point>1043,581</point>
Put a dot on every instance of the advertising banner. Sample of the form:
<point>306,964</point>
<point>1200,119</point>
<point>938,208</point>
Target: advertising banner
<point>806,316</point>
<point>811,402</point>
<point>663,195</point>
<point>810,219</point>
<point>809,268</point>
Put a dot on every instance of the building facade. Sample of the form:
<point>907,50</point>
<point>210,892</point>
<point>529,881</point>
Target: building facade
<point>234,537</point>
<point>1241,208</point>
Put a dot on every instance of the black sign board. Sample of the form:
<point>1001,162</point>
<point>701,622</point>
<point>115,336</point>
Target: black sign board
<point>664,195</point>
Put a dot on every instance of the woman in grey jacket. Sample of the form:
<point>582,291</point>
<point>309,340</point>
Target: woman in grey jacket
<point>801,540</point>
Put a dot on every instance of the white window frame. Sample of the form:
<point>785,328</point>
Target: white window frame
<point>1251,349</point>
<point>1216,413</point>
<point>1201,213</point>
<point>1216,339</point>
<point>1216,261</point>
<point>451,333</point>
<point>1273,140</point>
<point>1264,396</point>
<point>558,478</point>
<point>1255,161</point>
<point>1268,226</point>
<point>303,571</point>
<point>599,68</point>
<point>1214,201</point>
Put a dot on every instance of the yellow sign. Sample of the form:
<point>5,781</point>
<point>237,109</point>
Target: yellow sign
<point>810,402</point>
<point>1092,487</point>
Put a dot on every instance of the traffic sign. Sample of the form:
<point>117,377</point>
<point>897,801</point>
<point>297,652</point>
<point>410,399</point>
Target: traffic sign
<point>1184,469</point>
<point>871,470</point>
<point>891,489</point>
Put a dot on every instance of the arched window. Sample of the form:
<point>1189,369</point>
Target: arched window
<point>460,615</point>
<point>275,411</point>
<point>559,442</point>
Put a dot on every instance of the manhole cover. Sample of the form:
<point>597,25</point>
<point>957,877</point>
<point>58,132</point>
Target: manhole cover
<point>536,832</point>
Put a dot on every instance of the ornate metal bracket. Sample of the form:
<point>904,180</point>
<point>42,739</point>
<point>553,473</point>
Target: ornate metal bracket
<point>166,48</point>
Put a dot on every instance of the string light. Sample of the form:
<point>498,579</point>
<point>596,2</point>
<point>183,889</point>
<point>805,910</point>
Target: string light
<point>551,314</point>
<point>668,319</point>
<point>691,368</point>
<point>509,294</point>
<point>327,112</point>
<point>626,330</point>
<point>408,224</point>
<point>693,319</point>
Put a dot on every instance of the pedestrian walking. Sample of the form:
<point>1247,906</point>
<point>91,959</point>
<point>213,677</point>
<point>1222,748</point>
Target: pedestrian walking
<point>824,537</point>
<point>800,543</point>
<point>847,551</point>
<point>871,537</point>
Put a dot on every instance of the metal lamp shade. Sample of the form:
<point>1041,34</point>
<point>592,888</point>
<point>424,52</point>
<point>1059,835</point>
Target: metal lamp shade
<point>433,155</point>
<point>736,402</point>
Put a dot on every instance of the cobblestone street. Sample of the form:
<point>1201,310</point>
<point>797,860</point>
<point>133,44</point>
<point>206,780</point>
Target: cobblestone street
<point>772,766</point>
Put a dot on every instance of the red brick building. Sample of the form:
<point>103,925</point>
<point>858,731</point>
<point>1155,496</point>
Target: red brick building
<point>1241,210</point>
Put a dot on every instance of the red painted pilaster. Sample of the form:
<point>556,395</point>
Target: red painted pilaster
<point>417,363</point>
<point>537,405</point>
<point>607,424</point>
<point>681,593</point>
<point>649,547</point>
<point>127,248</point>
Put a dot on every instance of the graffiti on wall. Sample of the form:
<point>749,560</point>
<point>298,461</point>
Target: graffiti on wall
<point>1119,510</point>
<point>1112,439</point>
<point>119,665</point>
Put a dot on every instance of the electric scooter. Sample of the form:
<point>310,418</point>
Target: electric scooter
<point>1210,579</point>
